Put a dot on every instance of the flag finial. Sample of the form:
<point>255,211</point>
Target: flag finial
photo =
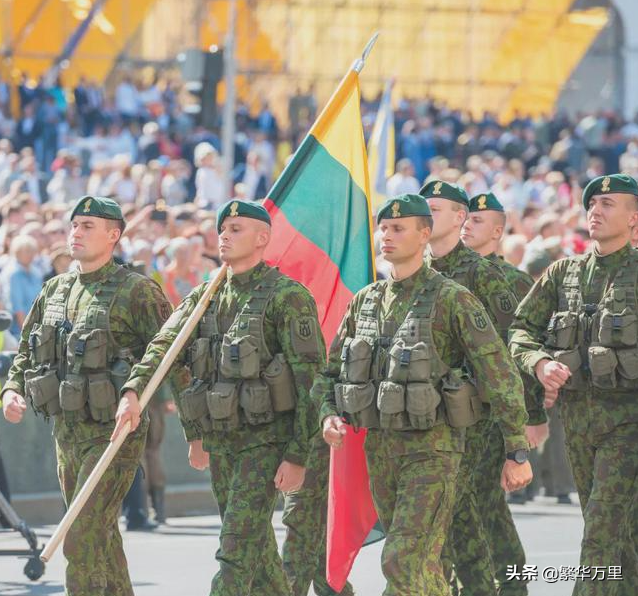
<point>360,62</point>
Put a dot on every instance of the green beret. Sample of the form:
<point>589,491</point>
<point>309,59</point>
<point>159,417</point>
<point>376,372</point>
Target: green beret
<point>485,202</point>
<point>406,205</point>
<point>237,208</point>
<point>437,189</point>
<point>604,185</point>
<point>98,207</point>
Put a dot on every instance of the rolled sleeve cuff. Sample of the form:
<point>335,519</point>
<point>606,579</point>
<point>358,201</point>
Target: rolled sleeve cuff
<point>191,433</point>
<point>536,417</point>
<point>534,359</point>
<point>296,454</point>
<point>136,384</point>
<point>327,409</point>
<point>12,386</point>
<point>514,442</point>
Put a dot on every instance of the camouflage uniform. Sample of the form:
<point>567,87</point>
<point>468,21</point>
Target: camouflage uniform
<point>93,546</point>
<point>505,544</point>
<point>413,473</point>
<point>583,310</point>
<point>245,457</point>
<point>305,517</point>
<point>469,539</point>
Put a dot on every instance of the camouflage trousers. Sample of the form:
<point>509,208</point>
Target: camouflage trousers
<point>467,542</point>
<point>414,495</point>
<point>605,468</point>
<point>96,564</point>
<point>505,545</point>
<point>249,563</point>
<point>305,515</point>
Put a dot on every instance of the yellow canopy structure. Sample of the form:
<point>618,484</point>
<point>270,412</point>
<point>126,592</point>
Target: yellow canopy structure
<point>498,55</point>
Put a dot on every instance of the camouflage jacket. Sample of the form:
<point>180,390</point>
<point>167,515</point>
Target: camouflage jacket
<point>461,331</point>
<point>606,409</point>
<point>137,314</point>
<point>521,283</point>
<point>291,303</point>
<point>484,279</point>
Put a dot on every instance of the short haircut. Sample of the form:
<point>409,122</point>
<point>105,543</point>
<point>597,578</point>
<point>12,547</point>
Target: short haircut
<point>425,221</point>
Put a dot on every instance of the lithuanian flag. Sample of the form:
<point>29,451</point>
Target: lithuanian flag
<point>322,237</point>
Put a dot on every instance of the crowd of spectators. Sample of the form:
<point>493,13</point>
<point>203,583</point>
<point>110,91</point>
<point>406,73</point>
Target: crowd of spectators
<point>138,145</point>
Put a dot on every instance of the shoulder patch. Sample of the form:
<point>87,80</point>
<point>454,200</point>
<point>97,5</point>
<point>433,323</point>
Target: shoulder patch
<point>479,320</point>
<point>304,335</point>
<point>505,302</point>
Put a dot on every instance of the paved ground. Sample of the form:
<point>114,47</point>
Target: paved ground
<point>179,559</point>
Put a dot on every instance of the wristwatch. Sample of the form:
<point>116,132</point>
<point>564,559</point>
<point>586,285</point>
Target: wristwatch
<point>520,456</point>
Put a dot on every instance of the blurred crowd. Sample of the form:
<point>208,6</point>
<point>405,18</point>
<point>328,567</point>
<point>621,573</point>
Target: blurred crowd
<point>139,145</point>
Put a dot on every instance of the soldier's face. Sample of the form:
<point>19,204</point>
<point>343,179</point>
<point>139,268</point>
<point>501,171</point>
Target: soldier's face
<point>91,238</point>
<point>611,216</point>
<point>480,228</point>
<point>241,237</point>
<point>403,239</point>
<point>448,218</point>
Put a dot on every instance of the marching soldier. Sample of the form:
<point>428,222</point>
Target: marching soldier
<point>447,254</point>
<point>83,333</point>
<point>396,368</point>
<point>247,411</point>
<point>577,332</point>
<point>482,232</point>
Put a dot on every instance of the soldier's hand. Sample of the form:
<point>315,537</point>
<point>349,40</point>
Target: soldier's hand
<point>128,410</point>
<point>551,396</point>
<point>537,434</point>
<point>515,476</point>
<point>334,429</point>
<point>289,477</point>
<point>13,406</point>
<point>197,457</point>
<point>552,375</point>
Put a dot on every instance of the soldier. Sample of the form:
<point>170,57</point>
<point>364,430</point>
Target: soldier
<point>482,232</point>
<point>396,368</point>
<point>447,254</point>
<point>83,333</point>
<point>576,331</point>
<point>247,411</point>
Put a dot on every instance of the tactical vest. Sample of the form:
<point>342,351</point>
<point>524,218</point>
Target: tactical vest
<point>77,370</point>
<point>236,380</point>
<point>465,275</point>
<point>394,378</point>
<point>598,342</point>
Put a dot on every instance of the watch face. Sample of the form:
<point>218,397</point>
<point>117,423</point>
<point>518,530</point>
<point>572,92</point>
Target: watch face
<point>520,456</point>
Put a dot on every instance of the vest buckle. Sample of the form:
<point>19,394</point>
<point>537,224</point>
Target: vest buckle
<point>80,347</point>
<point>404,359</point>
<point>234,353</point>
<point>616,322</point>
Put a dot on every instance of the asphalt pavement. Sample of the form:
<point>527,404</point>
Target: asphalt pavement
<point>178,559</point>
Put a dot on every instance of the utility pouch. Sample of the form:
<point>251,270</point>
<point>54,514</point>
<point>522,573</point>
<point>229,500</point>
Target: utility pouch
<point>357,404</point>
<point>463,405</point>
<point>278,376</point>
<point>391,404</point>
<point>193,405</point>
<point>356,359</point>
<point>254,398</point>
<point>102,398</point>
<point>603,363</point>
<point>73,398</point>
<point>239,358</point>
<point>223,406</point>
<point>42,387</point>
<point>421,401</point>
